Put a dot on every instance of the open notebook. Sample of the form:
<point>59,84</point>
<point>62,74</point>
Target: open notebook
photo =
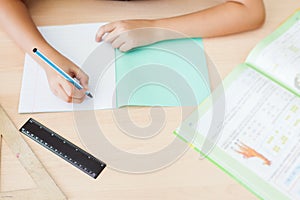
<point>168,73</point>
<point>258,140</point>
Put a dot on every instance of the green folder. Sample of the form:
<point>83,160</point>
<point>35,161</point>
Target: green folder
<point>220,140</point>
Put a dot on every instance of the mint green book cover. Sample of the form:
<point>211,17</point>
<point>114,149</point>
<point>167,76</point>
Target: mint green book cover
<point>167,73</point>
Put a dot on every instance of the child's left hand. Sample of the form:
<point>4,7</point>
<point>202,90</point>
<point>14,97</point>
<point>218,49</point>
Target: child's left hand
<point>129,34</point>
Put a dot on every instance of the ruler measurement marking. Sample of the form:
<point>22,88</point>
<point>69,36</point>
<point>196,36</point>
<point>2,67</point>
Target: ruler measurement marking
<point>63,148</point>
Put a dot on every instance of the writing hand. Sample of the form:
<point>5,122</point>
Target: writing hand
<point>63,88</point>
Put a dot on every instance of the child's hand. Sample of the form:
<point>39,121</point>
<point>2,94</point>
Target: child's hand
<point>129,34</point>
<point>63,88</point>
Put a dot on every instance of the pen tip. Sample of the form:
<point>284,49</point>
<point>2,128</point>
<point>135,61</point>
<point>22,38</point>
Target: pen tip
<point>90,95</point>
<point>34,50</point>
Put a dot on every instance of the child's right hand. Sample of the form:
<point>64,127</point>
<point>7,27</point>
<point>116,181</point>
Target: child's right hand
<point>60,86</point>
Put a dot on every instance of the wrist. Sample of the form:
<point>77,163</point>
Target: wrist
<point>49,52</point>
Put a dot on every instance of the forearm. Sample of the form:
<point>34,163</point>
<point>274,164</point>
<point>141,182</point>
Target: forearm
<point>17,23</point>
<point>227,18</point>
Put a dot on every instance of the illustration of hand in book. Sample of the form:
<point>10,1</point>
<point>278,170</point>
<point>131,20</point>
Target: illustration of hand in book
<point>248,152</point>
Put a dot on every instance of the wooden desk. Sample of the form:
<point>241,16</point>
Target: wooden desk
<point>189,177</point>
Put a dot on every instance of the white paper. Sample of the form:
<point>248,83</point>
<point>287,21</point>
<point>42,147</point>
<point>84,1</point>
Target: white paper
<point>76,42</point>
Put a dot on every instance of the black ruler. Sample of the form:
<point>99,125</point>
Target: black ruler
<point>63,148</point>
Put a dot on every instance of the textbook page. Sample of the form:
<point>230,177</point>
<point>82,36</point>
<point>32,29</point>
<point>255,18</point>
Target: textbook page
<point>278,55</point>
<point>77,43</point>
<point>259,141</point>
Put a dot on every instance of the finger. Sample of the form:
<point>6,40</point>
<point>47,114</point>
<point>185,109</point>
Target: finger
<point>245,145</point>
<point>66,86</point>
<point>83,78</point>
<point>70,90</point>
<point>104,29</point>
<point>244,148</point>
<point>240,152</point>
<point>112,36</point>
<point>117,43</point>
<point>69,99</point>
<point>61,93</point>
<point>78,100</point>
<point>55,81</point>
<point>79,94</point>
<point>126,47</point>
<point>75,97</point>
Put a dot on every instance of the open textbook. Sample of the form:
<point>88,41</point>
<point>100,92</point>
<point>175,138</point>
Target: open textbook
<point>163,74</point>
<point>258,140</point>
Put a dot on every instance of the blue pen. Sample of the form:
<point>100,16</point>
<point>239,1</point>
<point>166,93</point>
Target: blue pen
<point>60,71</point>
